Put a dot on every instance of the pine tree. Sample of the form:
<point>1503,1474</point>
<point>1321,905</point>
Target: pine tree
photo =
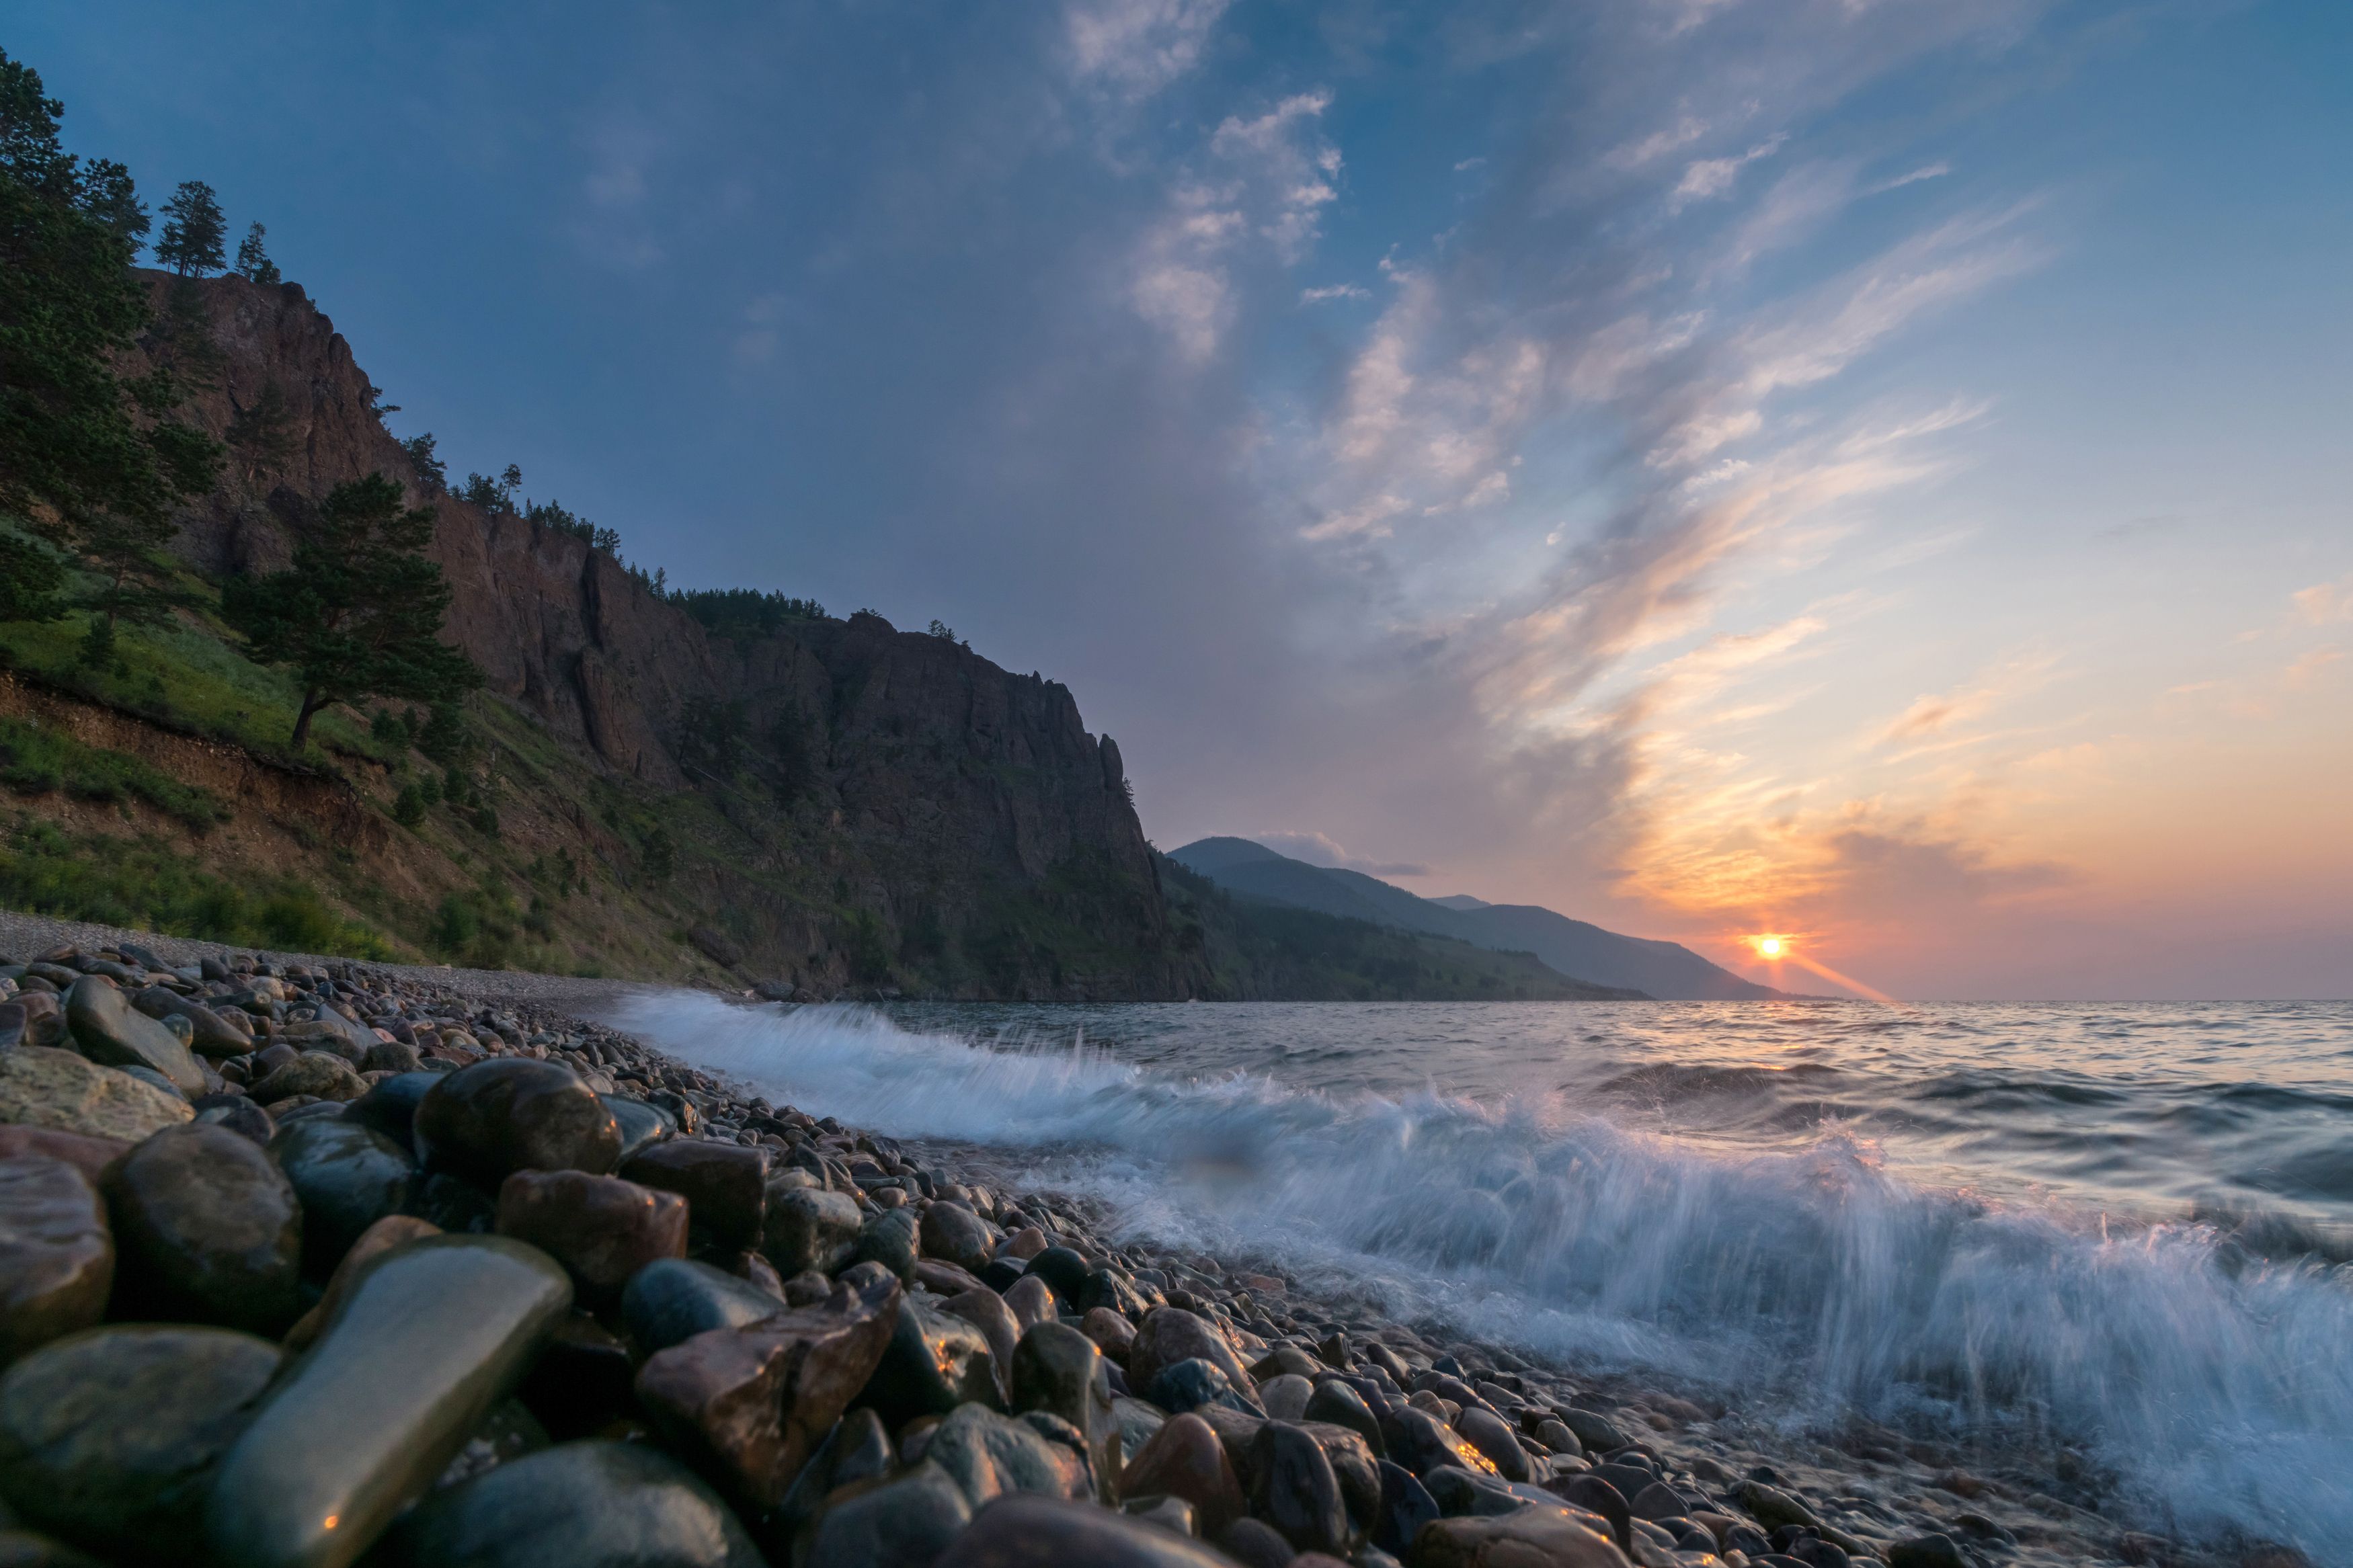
<point>193,231</point>
<point>253,263</point>
<point>432,473</point>
<point>359,613</point>
<point>262,434</point>
<point>80,447</point>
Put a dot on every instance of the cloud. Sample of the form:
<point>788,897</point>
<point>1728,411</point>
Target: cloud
<point>1321,849</point>
<point>1333,291</point>
<point>1706,178</point>
<point>1135,47</point>
<point>2324,602</point>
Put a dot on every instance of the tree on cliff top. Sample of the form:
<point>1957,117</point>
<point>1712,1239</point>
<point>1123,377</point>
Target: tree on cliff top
<point>253,263</point>
<point>78,444</point>
<point>359,613</point>
<point>193,231</point>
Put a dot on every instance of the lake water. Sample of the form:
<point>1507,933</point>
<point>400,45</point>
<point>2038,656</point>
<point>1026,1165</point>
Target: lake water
<point>2117,1226</point>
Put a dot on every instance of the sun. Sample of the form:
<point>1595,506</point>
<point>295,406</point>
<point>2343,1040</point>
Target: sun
<point>1769,946</point>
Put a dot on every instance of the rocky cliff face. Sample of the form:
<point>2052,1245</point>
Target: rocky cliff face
<point>946,824</point>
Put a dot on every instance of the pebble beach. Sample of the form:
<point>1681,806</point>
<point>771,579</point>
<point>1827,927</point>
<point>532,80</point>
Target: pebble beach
<point>305,1261</point>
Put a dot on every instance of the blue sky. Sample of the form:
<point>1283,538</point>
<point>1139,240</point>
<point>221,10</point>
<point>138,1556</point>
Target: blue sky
<point>1865,470</point>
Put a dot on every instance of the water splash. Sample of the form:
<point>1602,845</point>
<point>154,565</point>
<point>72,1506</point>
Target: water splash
<point>2217,1386</point>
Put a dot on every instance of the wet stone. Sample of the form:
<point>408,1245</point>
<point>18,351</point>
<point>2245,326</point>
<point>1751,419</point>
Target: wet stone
<point>1190,1384</point>
<point>1336,1403</point>
<point>1024,1530</point>
<point>984,1309</point>
<point>725,1186</point>
<point>1595,1433</point>
<point>1031,1302</point>
<point>889,1240</point>
<point>934,1363</point>
<point>1137,1422</point>
<point>1596,1496</point>
<point>380,1238</point>
<point>320,1074</point>
<point>807,1229</point>
<point>1421,1443</point>
<point>987,1454</point>
<point>56,1254</point>
<point>346,1177</point>
<point>751,1403</point>
<point>1405,1506</point>
<point>1488,1434</point>
<point>1171,1334</point>
<point>1062,1272</point>
<point>390,1108</point>
<point>238,1114</point>
<point>579,1505</point>
<point>601,1228</point>
<point>210,1035</point>
<point>1287,1396</point>
<point>108,1439</point>
<point>109,1031</point>
<point>954,1234</point>
<point>430,1336</point>
<point>1254,1543</point>
<point>857,1449</point>
<point>1184,1459</point>
<point>391,1056</point>
<point>672,1299</point>
<point>1294,1488</point>
<point>85,1153</point>
<point>513,1113</point>
<point>1112,1334</point>
<point>642,1125</point>
<point>207,1229</point>
<point>64,1091</point>
<point>905,1523</point>
<point>1459,1492</point>
<point>1058,1370</point>
<point>12,1024</point>
<point>583,1380</point>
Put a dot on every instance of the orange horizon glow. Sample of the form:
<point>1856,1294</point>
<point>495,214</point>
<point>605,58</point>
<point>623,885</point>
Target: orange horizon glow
<point>1778,948</point>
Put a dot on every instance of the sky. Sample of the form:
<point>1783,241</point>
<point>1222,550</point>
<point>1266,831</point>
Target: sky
<point>1871,472</point>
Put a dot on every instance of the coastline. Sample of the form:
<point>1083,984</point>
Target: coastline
<point>1871,1494</point>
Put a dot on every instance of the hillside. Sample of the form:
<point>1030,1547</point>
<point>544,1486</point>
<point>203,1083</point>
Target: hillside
<point>1664,970</point>
<point>1259,950</point>
<point>800,798</point>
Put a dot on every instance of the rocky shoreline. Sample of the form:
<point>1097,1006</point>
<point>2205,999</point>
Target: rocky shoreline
<point>319,1263</point>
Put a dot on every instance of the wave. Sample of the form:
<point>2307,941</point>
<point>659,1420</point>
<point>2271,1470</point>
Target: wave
<point>2215,1384</point>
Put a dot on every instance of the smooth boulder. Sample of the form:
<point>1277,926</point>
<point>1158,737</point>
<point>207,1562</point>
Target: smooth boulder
<point>988,1453</point>
<point>1294,1489</point>
<point>346,1175</point>
<point>726,1185</point>
<point>207,1229</point>
<point>807,1227</point>
<point>1171,1334</point>
<point>907,1523</point>
<point>431,1336</point>
<point>602,1228</point>
<point>1024,1530</point>
<point>322,1074</point>
<point>390,1108</point>
<point>577,1505</point>
<point>670,1300</point>
<point>108,1439</point>
<point>57,1252</point>
<point>954,1234</point>
<point>750,1405</point>
<point>935,1362</point>
<point>1552,1537</point>
<point>67,1091</point>
<point>513,1113</point>
<point>112,1032</point>
<point>642,1125</point>
<point>1058,1370</point>
<point>1184,1459</point>
<point>210,1033</point>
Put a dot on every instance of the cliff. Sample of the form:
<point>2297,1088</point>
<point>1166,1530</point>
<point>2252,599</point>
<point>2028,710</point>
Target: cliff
<point>832,803</point>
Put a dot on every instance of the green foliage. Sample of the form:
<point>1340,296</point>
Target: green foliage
<point>358,614</point>
<point>193,231</point>
<point>35,759</point>
<point>793,769</point>
<point>388,727</point>
<point>493,495</point>
<point>252,261</point>
<point>97,645</point>
<point>32,579</point>
<point>443,736</point>
<point>261,433</point>
<point>711,735</point>
<point>660,853</point>
<point>432,473</point>
<point>867,950</point>
<point>78,443</point>
<point>478,928</point>
<point>485,821</point>
<point>743,612</point>
<point>409,806</point>
<point>145,884</point>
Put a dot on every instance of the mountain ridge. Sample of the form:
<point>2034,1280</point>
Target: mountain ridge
<point>1577,949</point>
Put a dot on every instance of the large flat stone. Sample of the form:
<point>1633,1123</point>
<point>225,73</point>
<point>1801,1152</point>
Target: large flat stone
<point>578,1505</point>
<point>65,1090</point>
<point>430,1336</point>
<point>57,1255</point>
<point>112,1032</point>
<point>207,1229</point>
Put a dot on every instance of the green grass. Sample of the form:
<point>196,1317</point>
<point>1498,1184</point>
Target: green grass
<point>145,884</point>
<point>36,761</point>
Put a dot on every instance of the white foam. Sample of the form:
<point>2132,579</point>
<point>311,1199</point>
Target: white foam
<point>2222,1395</point>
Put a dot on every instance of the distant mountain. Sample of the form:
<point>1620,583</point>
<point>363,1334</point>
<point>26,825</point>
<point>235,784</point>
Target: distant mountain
<point>1266,949</point>
<point>1665,970</point>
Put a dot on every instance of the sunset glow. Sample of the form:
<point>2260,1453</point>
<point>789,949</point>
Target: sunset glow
<point>1768,947</point>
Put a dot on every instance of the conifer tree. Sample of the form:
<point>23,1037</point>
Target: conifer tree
<point>194,230</point>
<point>262,433</point>
<point>82,449</point>
<point>358,614</point>
<point>253,263</point>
